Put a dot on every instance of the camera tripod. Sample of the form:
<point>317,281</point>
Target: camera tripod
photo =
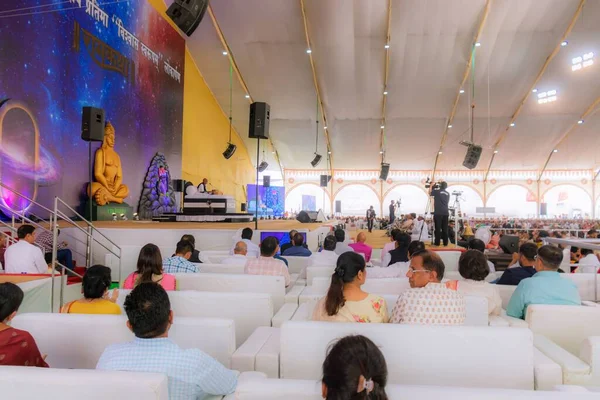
<point>457,216</point>
<point>428,211</point>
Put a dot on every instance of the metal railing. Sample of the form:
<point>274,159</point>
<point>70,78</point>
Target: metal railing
<point>54,217</point>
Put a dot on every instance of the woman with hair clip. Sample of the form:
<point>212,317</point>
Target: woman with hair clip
<point>96,282</point>
<point>354,369</point>
<point>345,301</point>
<point>17,347</point>
<point>150,269</point>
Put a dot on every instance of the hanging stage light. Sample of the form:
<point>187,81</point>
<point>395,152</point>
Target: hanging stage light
<point>229,151</point>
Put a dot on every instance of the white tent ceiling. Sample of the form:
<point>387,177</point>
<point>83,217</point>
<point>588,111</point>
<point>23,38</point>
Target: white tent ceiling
<point>430,45</point>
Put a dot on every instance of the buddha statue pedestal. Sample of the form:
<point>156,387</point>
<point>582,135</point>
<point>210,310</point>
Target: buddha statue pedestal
<point>105,212</point>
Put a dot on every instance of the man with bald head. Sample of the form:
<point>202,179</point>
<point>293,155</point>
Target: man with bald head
<point>361,247</point>
<point>239,255</point>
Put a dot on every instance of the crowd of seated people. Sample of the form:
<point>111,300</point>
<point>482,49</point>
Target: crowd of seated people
<point>150,269</point>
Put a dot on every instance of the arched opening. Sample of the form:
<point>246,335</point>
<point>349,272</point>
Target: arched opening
<point>513,201</point>
<point>568,201</point>
<point>307,196</point>
<point>466,198</point>
<point>356,199</point>
<point>412,200</point>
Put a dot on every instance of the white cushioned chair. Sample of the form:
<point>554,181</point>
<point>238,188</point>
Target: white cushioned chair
<point>78,340</point>
<point>272,285</point>
<point>24,383</point>
<point>247,310</point>
<point>320,271</point>
<point>450,259</point>
<point>290,389</point>
<point>298,265</point>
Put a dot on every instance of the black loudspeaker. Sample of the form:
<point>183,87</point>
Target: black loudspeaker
<point>324,180</point>
<point>510,244</point>
<point>385,170</point>
<point>303,217</point>
<point>266,181</point>
<point>187,14</point>
<point>260,117</point>
<point>262,166</point>
<point>338,206</point>
<point>243,207</point>
<point>178,185</point>
<point>472,156</point>
<point>92,124</point>
<point>229,150</point>
<point>543,208</point>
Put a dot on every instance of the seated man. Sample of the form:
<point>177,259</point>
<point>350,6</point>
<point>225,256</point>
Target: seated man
<point>195,257</point>
<point>24,257</point>
<point>476,244</point>
<point>523,265</point>
<point>588,263</point>
<point>45,239</point>
<point>266,264</point>
<point>289,242</point>
<point>253,250</point>
<point>545,287</point>
<point>298,248</point>
<point>361,247</point>
<point>192,374</point>
<point>239,255</point>
<point>420,230</point>
<point>428,302</point>
<point>327,257</point>
<point>341,247</point>
<point>180,263</point>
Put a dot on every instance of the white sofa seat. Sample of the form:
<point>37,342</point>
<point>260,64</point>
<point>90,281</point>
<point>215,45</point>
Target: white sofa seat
<point>450,259</point>
<point>298,265</point>
<point>24,383</point>
<point>291,389</point>
<point>319,271</point>
<point>247,310</point>
<point>455,356</point>
<point>78,340</point>
<point>273,285</point>
<point>233,269</point>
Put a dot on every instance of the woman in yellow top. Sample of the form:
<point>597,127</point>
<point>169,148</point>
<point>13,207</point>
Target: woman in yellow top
<point>345,300</point>
<point>96,282</point>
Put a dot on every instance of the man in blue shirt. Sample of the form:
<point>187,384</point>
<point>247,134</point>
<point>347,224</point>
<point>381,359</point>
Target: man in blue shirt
<point>525,267</point>
<point>192,374</point>
<point>298,248</point>
<point>545,287</point>
<point>180,263</point>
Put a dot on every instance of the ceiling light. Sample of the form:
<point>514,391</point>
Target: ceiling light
<point>316,160</point>
<point>329,152</point>
<point>564,43</point>
<point>273,152</point>
<point>547,97</point>
<point>588,56</point>
<point>381,152</point>
<point>495,151</point>
<point>387,46</point>
<point>247,96</point>
<point>439,152</point>
<point>461,91</point>
<point>477,44</point>
<point>224,53</point>
<point>577,60</point>
<point>382,126</point>
<point>583,61</point>
<point>324,127</point>
<point>580,122</point>
<point>512,124</point>
<point>385,93</point>
<point>308,51</point>
<point>587,63</point>
<point>450,126</point>
<point>534,91</point>
<point>555,151</point>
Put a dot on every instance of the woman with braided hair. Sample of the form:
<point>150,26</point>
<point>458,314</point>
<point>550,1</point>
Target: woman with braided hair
<point>354,369</point>
<point>345,301</point>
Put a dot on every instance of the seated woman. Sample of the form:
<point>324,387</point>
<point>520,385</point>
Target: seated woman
<point>16,347</point>
<point>345,301</point>
<point>96,283</point>
<point>473,266</point>
<point>354,369</point>
<point>150,269</point>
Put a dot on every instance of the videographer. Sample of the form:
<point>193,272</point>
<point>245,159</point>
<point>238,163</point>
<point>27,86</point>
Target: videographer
<point>441,198</point>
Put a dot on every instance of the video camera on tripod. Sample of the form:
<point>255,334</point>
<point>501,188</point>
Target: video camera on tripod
<point>428,184</point>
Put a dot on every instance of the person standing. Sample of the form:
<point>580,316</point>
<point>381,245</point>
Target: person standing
<point>392,212</point>
<point>441,198</point>
<point>370,218</point>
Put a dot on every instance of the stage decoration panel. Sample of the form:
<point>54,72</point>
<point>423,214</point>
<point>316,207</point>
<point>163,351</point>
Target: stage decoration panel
<point>123,57</point>
<point>158,196</point>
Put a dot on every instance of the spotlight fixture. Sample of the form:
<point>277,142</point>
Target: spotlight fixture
<point>477,44</point>
<point>136,217</point>
<point>224,53</point>
<point>440,152</point>
<point>387,46</point>
<point>229,151</point>
<point>329,152</point>
<point>262,166</point>
<point>308,51</point>
<point>382,127</point>
<point>534,91</point>
<point>461,91</point>
<point>324,127</point>
<point>580,122</point>
<point>512,124</point>
<point>316,160</point>
<point>564,43</point>
<point>449,126</point>
<point>123,217</point>
<point>381,152</point>
<point>247,96</point>
<point>385,93</point>
<point>555,151</point>
<point>114,215</point>
<point>495,151</point>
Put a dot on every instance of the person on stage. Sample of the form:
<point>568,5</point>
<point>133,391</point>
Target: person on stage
<point>392,212</point>
<point>203,188</point>
<point>370,218</point>
<point>441,198</point>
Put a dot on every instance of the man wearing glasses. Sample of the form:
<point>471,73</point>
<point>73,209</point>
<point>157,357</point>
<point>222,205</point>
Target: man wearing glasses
<point>428,302</point>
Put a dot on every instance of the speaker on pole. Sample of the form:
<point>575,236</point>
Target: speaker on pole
<point>338,206</point>
<point>266,181</point>
<point>324,180</point>
<point>260,118</point>
<point>544,209</point>
<point>472,156</point>
<point>385,170</point>
<point>92,124</point>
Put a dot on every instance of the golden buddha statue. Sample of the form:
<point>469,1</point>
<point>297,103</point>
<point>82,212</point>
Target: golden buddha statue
<point>108,173</point>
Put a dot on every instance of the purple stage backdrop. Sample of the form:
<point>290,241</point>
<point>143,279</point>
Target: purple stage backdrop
<point>54,60</point>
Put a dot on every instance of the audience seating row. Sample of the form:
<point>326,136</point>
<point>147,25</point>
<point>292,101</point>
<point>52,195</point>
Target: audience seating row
<point>235,270</point>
